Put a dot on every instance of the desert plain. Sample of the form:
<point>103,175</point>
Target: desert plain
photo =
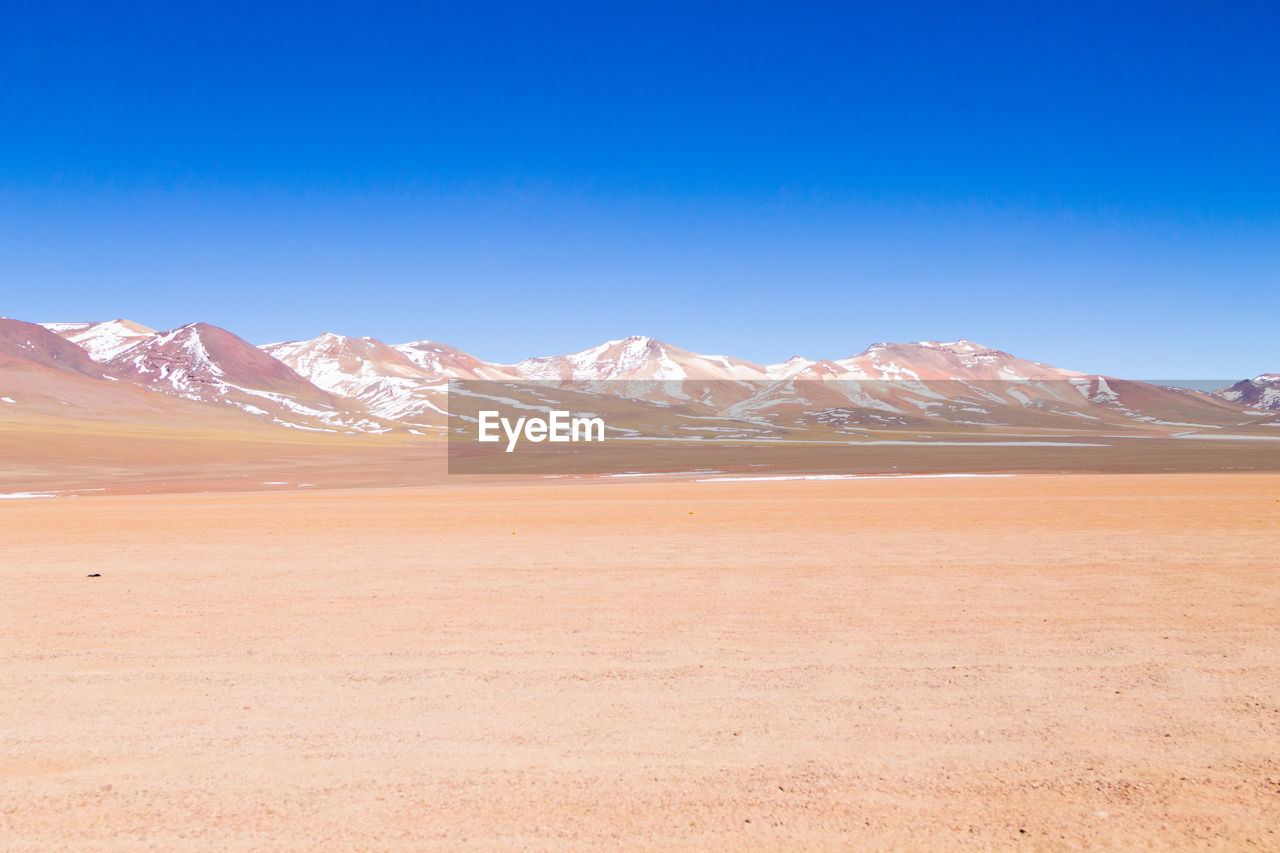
<point>1039,661</point>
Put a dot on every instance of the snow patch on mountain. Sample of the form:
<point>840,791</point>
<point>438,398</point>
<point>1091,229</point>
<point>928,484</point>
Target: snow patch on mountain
<point>102,341</point>
<point>1261,392</point>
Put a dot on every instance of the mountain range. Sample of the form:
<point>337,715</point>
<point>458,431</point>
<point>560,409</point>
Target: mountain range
<point>334,383</point>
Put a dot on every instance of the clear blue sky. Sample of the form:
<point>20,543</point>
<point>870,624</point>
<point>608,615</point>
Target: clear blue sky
<point>1095,185</point>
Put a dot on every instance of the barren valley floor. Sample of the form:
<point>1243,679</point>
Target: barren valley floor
<point>1042,662</point>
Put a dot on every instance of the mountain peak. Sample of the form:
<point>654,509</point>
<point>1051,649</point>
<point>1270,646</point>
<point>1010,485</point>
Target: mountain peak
<point>105,340</point>
<point>1261,392</point>
<point>638,357</point>
<point>130,326</point>
<point>935,360</point>
<point>960,346</point>
<point>633,342</point>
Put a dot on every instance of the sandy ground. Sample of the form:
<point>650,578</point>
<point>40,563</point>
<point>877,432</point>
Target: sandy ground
<point>1040,662</point>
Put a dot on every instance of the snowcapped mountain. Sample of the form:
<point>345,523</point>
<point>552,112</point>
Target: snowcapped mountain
<point>102,341</point>
<point>203,362</point>
<point>384,378</point>
<point>344,365</point>
<point>1261,392</point>
<point>788,369</point>
<point>207,364</point>
<point>339,383</point>
<point>445,362</point>
<point>636,358</point>
<point>902,383</point>
<point>954,360</point>
<point>923,360</point>
<point>46,376</point>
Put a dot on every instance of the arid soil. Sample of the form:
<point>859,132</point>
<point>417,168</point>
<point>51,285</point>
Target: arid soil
<point>1038,662</point>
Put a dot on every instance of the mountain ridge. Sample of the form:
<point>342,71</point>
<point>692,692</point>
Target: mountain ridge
<point>340,383</point>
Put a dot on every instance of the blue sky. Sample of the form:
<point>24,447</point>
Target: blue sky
<point>1095,185</point>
